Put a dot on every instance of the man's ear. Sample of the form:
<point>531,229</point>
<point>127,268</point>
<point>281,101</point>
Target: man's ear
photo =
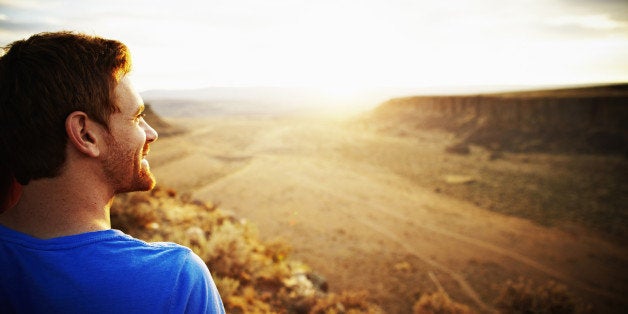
<point>83,133</point>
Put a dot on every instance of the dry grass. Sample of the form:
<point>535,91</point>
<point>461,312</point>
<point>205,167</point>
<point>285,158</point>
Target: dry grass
<point>437,303</point>
<point>520,296</point>
<point>346,302</point>
<point>523,296</point>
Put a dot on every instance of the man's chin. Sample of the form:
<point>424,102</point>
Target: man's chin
<point>148,182</point>
<point>144,182</point>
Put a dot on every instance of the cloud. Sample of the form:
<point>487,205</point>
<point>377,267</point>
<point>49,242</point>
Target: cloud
<point>616,10</point>
<point>595,22</point>
<point>21,19</point>
<point>586,20</point>
<point>20,27</point>
<point>28,4</point>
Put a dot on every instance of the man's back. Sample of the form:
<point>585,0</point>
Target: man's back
<point>101,272</point>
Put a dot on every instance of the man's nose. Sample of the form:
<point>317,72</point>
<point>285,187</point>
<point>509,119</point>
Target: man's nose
<point>151,134</point>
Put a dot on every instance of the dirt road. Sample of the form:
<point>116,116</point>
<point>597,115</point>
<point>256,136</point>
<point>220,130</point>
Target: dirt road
<point>313,182</point>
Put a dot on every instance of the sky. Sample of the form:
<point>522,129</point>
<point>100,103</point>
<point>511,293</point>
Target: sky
<point>346,45</point>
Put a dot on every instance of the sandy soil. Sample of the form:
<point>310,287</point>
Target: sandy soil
<point>313,183</point>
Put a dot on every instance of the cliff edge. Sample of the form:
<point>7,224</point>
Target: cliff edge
<point>576,120</point>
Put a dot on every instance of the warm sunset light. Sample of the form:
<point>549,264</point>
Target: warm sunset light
<point>357,44</point>
<point>321,156</point>
<point>352,45</point>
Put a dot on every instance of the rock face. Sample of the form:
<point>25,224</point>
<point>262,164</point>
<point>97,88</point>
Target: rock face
<point>588,120</point>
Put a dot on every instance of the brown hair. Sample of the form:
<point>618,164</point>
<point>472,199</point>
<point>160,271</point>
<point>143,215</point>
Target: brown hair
<point>42,80</point>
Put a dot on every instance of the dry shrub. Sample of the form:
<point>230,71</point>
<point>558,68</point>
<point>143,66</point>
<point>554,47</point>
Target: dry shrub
<point>346,302</point>
<point>278,250</point>
<point>228,287</point>
<point>230,253</point>
<point>523,296</point>
<point>251,276</point>
<point>133,212</point>
<point>439,303</point>
<point>161,192</point>
<point>248,302</point>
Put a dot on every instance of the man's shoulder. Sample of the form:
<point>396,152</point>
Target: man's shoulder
<point>122,252</point>
<point>107,265</point>
<point>111,240</point>
<point>123,240</point>
<point>155,254</point>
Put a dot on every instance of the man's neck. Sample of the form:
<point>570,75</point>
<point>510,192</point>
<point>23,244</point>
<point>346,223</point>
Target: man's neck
<point>62,206</point>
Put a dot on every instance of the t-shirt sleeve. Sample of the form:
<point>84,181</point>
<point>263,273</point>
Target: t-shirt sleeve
<point>195,290</point>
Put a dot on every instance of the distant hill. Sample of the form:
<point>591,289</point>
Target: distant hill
<point>156,122</point>
<point>216,101</point>
<point>611,90</point>
<point>585,120</point>
<point>230,101</point>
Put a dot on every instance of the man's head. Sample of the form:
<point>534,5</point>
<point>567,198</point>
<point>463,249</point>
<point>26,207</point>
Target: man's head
<point>127,143</point>
<point>42,80</point>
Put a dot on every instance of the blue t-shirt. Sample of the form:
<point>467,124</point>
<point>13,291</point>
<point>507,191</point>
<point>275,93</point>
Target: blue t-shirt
<point>102,272</point>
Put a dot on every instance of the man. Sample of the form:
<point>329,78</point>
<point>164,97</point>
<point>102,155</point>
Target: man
<point>72,136</point>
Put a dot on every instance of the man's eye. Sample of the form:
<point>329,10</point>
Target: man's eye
<point>140,116</point>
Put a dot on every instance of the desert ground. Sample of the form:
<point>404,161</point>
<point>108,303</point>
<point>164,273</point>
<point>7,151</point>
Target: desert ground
<point>375,212</point>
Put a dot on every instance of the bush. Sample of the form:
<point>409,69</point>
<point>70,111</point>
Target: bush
<point>346,302</point>
<point>137,213</point>
<point>523,296</point>
<point>439,303</point>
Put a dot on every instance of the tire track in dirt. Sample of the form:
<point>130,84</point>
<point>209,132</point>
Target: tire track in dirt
<point>464,285</point>
<point>524,260</point>
<point>452,235</point>
<point>505,252</point>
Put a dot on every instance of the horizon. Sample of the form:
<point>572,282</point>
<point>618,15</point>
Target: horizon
<point>281,100</point>
<point>441,89</point>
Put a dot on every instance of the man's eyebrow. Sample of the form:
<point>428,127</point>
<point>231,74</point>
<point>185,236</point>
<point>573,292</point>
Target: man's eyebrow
<point>140,109</point>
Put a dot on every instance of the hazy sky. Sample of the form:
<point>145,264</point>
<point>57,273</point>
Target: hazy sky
<point>346,44</point>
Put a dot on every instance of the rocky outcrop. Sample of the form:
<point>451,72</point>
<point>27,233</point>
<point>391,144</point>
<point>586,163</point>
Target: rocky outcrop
<point>590,120</point>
